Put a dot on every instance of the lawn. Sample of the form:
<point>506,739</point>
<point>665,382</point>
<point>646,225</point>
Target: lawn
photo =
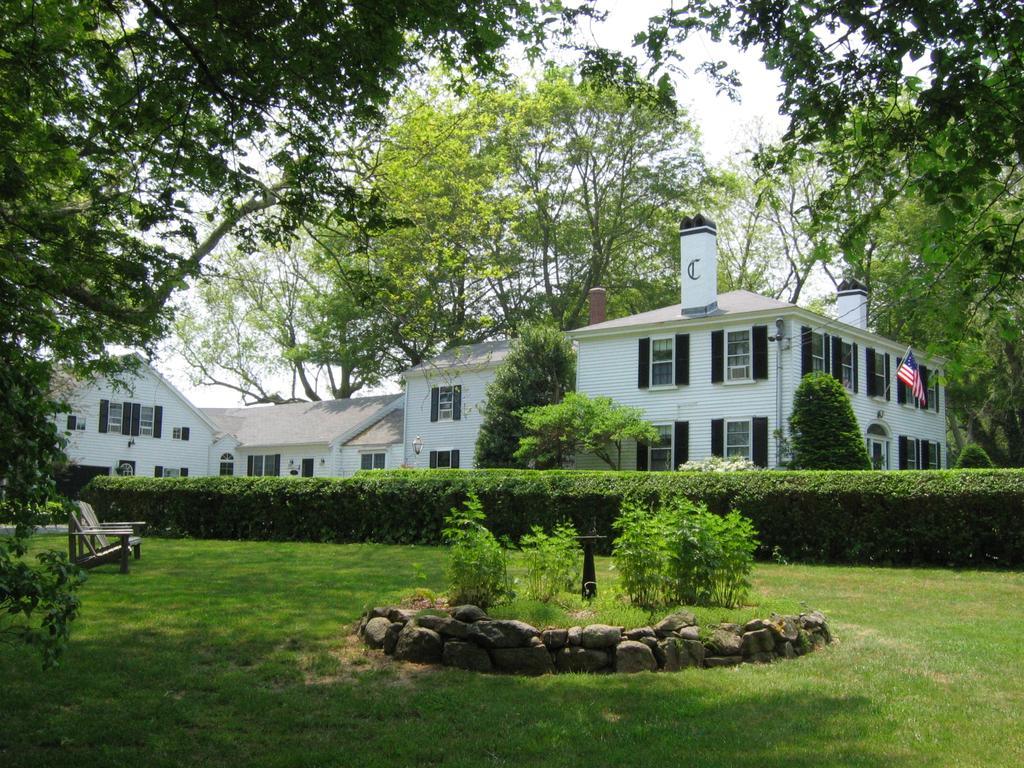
<point>238,654</point>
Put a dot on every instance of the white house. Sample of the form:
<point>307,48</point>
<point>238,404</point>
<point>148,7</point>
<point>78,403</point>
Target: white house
<point>716,373</point>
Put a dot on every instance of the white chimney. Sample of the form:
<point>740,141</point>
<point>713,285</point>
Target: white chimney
<point>698,262</point>
<point>852,303</point>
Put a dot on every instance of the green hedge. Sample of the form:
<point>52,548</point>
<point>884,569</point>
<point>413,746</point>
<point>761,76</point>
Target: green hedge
<point>950,517</point>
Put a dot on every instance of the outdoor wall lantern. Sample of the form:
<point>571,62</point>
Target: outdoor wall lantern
<point>417,445</point>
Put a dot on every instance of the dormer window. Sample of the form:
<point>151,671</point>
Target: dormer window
<point>738,358</point>
<point>661,362</point>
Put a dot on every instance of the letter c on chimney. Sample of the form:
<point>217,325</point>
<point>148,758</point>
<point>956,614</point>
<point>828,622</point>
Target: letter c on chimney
<point>690,269</point>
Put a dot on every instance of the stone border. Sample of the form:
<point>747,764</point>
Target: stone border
<point>467,638</point>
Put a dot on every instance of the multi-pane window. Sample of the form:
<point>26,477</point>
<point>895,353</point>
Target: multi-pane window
<point>114,417</point>
<point>373,460</point>
<point>661,362</point>
<point>817,352</point>
<point>881,382</point>
<point>146,420</point>
<point>180,433</point>
<point>933,455</point>
<point>172,472</point>
<point>912,449</point>
<point>737,439</point>
<point>878,447</point>
<point>933,388</point>
<point>227,464</point>
<point>661,451</point>
<point>444,459</point>
<point>847,364</point>
<point>445,403</point>
<point>76,422</point>
<point>264,465</point>
<point>738,357</point>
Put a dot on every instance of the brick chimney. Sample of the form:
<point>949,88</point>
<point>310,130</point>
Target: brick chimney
<point>596,299</point>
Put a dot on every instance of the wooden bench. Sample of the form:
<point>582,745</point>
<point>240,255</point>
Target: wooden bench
<point>92,543</point>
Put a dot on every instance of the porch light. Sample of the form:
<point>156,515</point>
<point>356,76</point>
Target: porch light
<point>417,445</point>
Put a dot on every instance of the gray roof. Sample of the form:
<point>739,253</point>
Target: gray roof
<point>300,423</point>
<point>387,431</point>
<point>467,356</point>
<point>731,303</point>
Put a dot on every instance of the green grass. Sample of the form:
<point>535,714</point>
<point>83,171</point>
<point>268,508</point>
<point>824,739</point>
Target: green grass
<point>238,654</point>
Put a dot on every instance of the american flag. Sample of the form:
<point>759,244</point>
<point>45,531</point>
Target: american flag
<point>911,376</point>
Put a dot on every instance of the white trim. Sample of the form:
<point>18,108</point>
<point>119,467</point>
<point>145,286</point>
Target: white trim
<point>671,339</point>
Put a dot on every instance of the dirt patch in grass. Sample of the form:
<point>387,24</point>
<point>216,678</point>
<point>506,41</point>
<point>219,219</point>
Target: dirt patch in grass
<point>351,660</point>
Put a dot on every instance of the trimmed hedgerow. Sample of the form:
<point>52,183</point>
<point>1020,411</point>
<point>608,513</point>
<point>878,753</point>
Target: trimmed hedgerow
<point>949,517</point>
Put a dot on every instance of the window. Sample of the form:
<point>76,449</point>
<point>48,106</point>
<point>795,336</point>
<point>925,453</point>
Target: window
<point>912,449</point>
<point>878,447</point>
<point>933,455</point>
<point>76,423</point>
<point>847,364</point>
<point>881,382</point>
<point>146,420</point>
<point>172,472</point>
<point>737,439</point>
<point>444,459</point>
<point>817,352</point>
<point>227,464</point>
<point>661,452</point>
<point>376,460</point>
<point>738,358</point>
<point>661,362</point>
<point>445,403</point>
<point>264,465</point>
<point>933,388</point>
<point>180,433</point>
<point>114,418</point>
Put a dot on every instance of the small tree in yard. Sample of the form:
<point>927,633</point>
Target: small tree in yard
<point>973,456</point>
<point>539,370</point>
<point>580,424</point>
<point>825,432</point>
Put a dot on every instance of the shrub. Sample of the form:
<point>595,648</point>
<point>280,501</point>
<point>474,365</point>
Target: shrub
<point>941,517</point>
<point>477,564</point>
<point>553,561</point>
<point>973,456</point>
<point>720,464</point>
<point>640,553</point>
<point>824,431</point>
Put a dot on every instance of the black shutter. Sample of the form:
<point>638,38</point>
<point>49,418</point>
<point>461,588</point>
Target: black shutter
<point>922,456</point>
<point>126,418</point>
<point>718,437</point>
<point>717,356</point>
<point>158,471</point>
<point>888,378</point>
<point>248,466</point>
<point>901,388</point>
<point>682,358</point>
<point>902,442</point>
<point>869,371</point>
<point>826,354</point>
<point>277,464</point>
<point>937,388</point>
<point>760,351</point>
<point>71,422</point>
<point>457,402</point>
<point>643,364</point>
<point>185,433</point>
<point>806,364</point>
<point>641,457</point>
<point>455,460</point>
<point>759,441</point>
<point>924,384</point>
<point>837,357</point>
<point>434,394</point>
<point>136,418</point>
<point>433,459</point>
<point>680,444</point>
<point>856,367</point>
<point>104,414</point>
<point>184,471</point>
<point>158,420</point>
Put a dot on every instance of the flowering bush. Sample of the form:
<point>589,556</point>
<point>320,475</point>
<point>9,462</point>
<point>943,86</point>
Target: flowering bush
<point>719,464</point>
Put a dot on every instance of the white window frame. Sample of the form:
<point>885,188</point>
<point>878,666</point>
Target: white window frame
<point>934,448</point>
<point>448,453</point>
<point>146,425</point>
<point>818,361</point>
<point>171,472</point>
<point>933,388</point>
<point>372,456</point>
<point>227,459</point>
<point>669,363</point>
<point>749,443</point>
<point>262,458</point>
<point>748,366</point>
<point>115,425</point>
<point>80,423</point>
<point>664,445</point>
<point>176,433</point>
<point>912,448</point>
<point>880,375</point>
<point>846,364</point>
<point>446,412</point>
<point>872,439</point>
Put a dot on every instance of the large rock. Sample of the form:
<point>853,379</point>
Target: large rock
<point>375,631</point>
<point>555,638</point>
<point>535,660</point>
<point>659,654</point>
<point>726,640</point>
<point>574,636</point>
<point>463,655</point>
<point>815,623</point>
<point>380,610</point>
<point>468,613</point>
<point>391,638</point>
<point>722,661</point>
<point>758,641</point>
<point>400,614</point>
<point>600,636</point>
<point>418,644</point>
<point>695,650</point>
<point>639,633</point>
<point>672,651</point>
<point>573,658</point>
<point>633,656</point>
<point>784,627</point>
<point>674,622</point>
<point>688,633</point>
<point>502,634</point>
<point>445,625</point>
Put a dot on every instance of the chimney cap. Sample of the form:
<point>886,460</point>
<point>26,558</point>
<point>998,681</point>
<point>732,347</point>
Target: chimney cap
<point>852,285</point>
<point>597,289</point>
<point>696,222</point>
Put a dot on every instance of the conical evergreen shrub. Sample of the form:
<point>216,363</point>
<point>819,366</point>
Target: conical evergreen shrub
<point>823,430</point>
<point>973,456</point>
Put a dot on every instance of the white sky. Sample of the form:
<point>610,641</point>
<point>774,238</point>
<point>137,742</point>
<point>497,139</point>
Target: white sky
<point>721,121</point>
